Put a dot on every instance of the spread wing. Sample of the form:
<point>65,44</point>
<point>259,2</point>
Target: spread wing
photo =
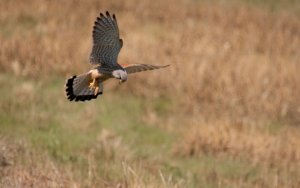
<point>133,68</point>
<point>106,41</point>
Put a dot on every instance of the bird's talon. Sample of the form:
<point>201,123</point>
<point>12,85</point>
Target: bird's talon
<point>96,90</point>
<point>94,86</point>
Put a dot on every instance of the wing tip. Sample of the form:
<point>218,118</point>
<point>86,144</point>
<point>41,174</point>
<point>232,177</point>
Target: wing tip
<point>107,14</point>
<point>159,66</point>
<point>163,66</point>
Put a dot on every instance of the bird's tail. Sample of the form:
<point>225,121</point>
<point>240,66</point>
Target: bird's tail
<point>77,88</point>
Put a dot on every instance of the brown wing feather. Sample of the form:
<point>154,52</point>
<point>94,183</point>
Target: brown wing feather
<point>133,68</point>
<point>106,41</point>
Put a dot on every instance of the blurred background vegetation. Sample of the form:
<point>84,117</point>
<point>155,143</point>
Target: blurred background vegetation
<point>225,114</point>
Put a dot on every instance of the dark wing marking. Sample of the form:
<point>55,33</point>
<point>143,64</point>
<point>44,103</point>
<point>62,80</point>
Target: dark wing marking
<point>133,68</point>
<point>106,41</point>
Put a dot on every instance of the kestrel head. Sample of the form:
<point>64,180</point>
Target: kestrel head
<point>120,74</point>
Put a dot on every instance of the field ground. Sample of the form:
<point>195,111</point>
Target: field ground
<point>226,113</point>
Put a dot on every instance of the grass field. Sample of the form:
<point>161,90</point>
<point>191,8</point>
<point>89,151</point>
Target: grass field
<point>226,113</point>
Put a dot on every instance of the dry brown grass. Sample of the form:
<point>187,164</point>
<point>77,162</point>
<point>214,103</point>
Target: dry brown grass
<point>19,168</point>
<point>233,75</point>
<point>275,151</point>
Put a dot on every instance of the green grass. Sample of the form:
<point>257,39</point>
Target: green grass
<point>40,113</point>
<point>111,131</point>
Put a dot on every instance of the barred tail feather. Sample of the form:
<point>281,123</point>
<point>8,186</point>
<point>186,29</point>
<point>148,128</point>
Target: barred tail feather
<point>77,88</point>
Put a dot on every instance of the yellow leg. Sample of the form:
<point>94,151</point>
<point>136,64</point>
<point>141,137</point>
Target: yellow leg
<point>94,86</point>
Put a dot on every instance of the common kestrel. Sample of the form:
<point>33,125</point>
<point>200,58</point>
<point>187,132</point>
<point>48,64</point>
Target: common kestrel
<point>106,47</point>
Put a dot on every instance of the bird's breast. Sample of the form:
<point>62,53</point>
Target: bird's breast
<point>95,73</point>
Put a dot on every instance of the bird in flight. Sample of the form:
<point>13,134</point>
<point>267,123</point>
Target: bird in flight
<point>106,47</point>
